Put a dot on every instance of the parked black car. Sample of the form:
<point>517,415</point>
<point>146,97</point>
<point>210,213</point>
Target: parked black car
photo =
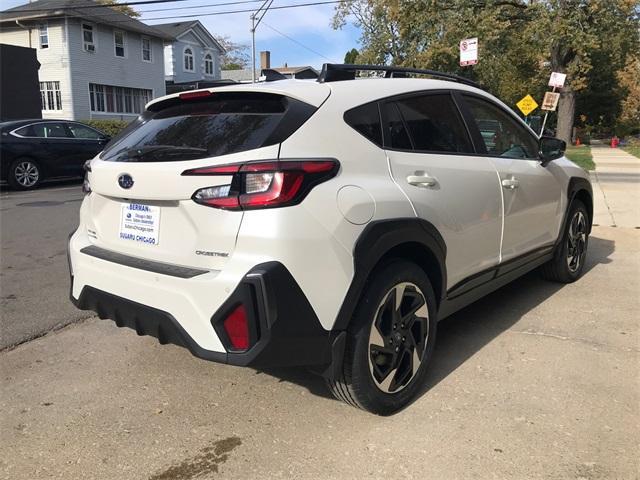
<point>32,150</point>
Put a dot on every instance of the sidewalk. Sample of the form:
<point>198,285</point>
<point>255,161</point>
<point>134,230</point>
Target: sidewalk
<point>616,188</point>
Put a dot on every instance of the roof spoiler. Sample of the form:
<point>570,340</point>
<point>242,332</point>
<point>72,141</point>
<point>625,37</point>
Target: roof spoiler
<point>332,72</point>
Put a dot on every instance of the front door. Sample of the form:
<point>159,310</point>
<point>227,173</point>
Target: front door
<point>532,194</point>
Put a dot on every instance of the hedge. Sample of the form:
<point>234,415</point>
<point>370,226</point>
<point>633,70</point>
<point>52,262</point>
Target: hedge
<point>110,127</point>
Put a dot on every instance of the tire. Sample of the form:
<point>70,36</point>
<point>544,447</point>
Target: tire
<point>377,320</point>
<point>24,174</point>
<point>567,264</point>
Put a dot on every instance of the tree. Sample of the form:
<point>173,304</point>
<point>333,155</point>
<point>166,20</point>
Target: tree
<point>351,56</point>
<point>521,42</point>
<point>126,9</point>
<point>236,55</point>
<point>629,78</point>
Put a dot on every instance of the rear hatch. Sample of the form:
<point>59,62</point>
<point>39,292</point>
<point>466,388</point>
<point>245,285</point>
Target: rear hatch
<point>141,203</point>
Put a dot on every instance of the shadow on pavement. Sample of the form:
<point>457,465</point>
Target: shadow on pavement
<point>463,334</point>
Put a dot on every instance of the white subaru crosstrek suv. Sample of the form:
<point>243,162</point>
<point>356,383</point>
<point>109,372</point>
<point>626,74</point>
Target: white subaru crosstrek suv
<point>326,224</point>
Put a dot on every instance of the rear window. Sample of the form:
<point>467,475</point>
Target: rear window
<point>221,124</point>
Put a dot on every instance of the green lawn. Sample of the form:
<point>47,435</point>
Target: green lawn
<point>582,156</point>
<point>633,150</point>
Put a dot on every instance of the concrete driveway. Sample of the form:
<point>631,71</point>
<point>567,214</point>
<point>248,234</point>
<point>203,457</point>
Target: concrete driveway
<point>537,380</point>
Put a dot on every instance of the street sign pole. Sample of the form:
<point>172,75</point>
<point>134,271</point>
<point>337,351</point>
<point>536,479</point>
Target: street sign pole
<point>544,121</point>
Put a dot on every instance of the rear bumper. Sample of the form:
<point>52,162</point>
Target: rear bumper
<point>284,328</point>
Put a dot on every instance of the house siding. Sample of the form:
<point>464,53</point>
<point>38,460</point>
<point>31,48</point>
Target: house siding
<point>54,61</point>
<point>175,68</point>
<point>103,67</point>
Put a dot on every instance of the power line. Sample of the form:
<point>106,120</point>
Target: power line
<point>229,12</point>
<point>295,41</point>
<point>191,7</point>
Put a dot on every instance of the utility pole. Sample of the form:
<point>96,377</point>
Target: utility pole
<point>256,18</point>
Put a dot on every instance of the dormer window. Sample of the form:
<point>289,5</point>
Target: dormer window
<point>43,30</point>
<point>188,60</point>
<point>208,64</point>
<point>88,41</point>
<point>118,40</point>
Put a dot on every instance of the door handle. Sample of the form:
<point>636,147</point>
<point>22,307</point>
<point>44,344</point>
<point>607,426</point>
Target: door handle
<point>420,179</point>
<point>510,183</point>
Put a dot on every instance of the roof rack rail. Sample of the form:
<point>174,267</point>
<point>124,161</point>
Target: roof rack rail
<point>334,72</point>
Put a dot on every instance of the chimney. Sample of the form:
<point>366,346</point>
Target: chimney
<point>265,60</point>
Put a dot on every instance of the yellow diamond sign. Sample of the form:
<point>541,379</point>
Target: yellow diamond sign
<point>527,105</point>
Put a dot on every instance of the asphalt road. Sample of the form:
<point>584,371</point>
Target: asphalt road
<point>34,297</point>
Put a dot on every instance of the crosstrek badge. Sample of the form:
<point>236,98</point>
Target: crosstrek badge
<point>140,223</point>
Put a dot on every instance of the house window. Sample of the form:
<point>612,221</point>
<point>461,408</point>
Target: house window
<point>88,43</point>
<point>111,99</point>
<point>118,40</point>
<point>208,64</point>
<point>146,49</point>
<point>43,30</point>
<point>188,60</point>
<point>50,96</point>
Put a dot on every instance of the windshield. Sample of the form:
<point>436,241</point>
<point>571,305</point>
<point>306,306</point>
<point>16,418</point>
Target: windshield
<point>221,124</point>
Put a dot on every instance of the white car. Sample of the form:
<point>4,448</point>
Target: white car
<point>326,224</point>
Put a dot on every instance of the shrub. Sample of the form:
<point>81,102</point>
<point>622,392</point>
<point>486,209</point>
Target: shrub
<point>110,127</point>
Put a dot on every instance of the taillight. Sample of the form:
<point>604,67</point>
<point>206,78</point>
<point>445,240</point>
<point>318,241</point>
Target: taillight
<point>263,184</point>
<point>236,326</point>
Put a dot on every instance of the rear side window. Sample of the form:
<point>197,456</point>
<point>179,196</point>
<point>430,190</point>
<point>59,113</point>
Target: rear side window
<point>434,124</point>
<point>366,121</point>
<point>44,130</point>
<point>396,129</point>
<point>221,124</point>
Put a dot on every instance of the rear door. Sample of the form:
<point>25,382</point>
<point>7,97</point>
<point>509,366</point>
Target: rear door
<point>432,159</point>
<point>141,203</point>
<point>56,145</point>
<point>532,194</point>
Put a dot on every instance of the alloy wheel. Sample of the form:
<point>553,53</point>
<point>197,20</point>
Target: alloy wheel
<point>398,337</point>
<point>26,174</point>
<point>576,242</point>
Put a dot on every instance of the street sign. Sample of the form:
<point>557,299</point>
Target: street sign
<point>527,105</point>
<point>550,101</point>
<point>468,52</point>
<point>557,79</point>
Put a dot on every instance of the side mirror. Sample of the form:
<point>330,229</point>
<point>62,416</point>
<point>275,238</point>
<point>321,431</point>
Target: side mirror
<point>550,148</point>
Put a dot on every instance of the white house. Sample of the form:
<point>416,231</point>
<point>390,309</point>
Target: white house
<point>194,55</point>
<point>95,62</point>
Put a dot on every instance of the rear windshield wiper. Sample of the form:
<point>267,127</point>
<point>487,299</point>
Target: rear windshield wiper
<point>153,151</point>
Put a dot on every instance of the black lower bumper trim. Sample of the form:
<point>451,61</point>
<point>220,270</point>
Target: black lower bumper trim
<point>285,329</point>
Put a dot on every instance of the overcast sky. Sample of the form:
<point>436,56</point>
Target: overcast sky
<point>308,25</point>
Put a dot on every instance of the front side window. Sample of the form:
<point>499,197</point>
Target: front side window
<point>83,132</point>
<point>434,124</point>
<point>146,49</point>
<point>208,64</point>
<point>50,96</point>
<point>43,30</point>
<point>188,60</point>
<point>88,43</point>
<point>118,39</point>
<point>502,135</point>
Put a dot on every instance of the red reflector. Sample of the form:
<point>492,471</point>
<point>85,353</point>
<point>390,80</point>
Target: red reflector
<point>237,328</point>
<point>194,95</point>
